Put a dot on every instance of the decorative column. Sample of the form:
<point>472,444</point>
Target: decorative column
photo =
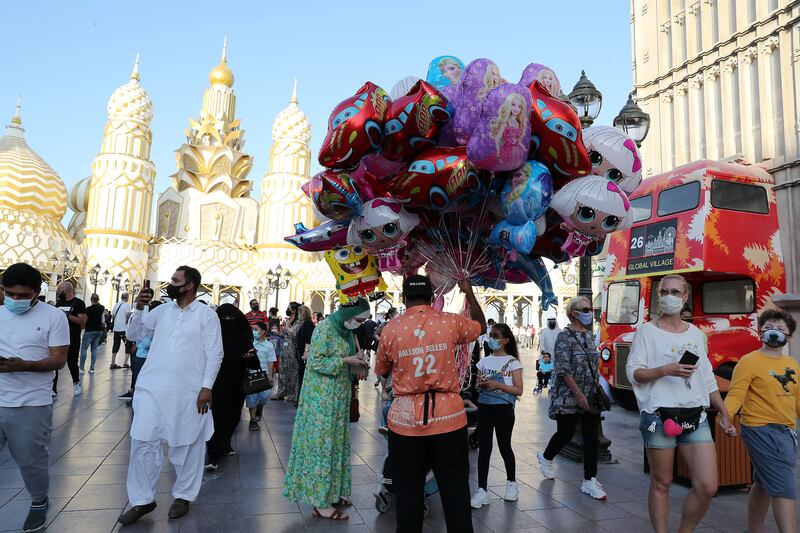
<point>712,133</point>
<point>697,118</point>
<point>682,133</point>
<point>667,130</point>
<point>731,116</point>
<point>767,106</point>
<point>746,99</point>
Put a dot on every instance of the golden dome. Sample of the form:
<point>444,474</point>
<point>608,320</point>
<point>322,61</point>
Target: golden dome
<point>292,123</point>
<point>27,181</point>
<point>222,74</point>
<point>131,101</point>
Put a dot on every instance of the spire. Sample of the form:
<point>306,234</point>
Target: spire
<point>293,99</point>
<point>221,74</point>
<point>135,73</point>
<point>224,58</point>
<point>17,118</point>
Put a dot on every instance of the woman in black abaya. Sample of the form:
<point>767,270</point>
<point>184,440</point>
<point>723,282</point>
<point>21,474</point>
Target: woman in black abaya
<point>227,398</point>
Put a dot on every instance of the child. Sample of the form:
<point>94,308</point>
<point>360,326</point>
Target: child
<point>764,386</point>
<point>544,372</point>
<point>266,357</point>
<point>500,382</point>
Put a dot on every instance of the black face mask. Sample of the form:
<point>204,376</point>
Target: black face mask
<point>551,325</point>
<point>174,291</point>
<point>254,307</point>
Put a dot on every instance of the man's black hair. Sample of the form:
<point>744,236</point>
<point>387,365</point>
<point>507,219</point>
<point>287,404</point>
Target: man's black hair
<point>190,275</point>
<point>22,274</point>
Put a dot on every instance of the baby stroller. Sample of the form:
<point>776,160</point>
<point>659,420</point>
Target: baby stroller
<point>544,379</point>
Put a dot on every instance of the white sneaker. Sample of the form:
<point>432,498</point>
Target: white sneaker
<point>479,499</point>
<point>211,467</point>
<point>593,488</point>
<point>91,370</point>
<point>82,371</point>
<point>77,389</point>
<point>512,491</point>
<point>546,467</point>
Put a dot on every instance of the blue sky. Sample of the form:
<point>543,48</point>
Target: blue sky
<point>67,58</point>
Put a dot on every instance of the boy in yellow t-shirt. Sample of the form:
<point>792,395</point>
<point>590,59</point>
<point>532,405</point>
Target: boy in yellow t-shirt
<point>765,388</point>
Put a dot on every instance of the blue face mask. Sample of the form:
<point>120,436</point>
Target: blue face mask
<point>256,335</point>
<point>18,307</point>
<point>585,318</point>
<point>493,344</point>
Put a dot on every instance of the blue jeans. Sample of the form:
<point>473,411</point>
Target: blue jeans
<point>90,338</point>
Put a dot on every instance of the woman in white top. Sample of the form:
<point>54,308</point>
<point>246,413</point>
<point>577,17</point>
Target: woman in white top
<point>662,383</point>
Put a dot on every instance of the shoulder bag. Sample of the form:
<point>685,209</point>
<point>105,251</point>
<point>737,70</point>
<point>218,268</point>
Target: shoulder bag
<point>598,401</point>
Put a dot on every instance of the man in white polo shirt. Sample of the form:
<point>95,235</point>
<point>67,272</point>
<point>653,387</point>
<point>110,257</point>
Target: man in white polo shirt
<point>34,338</point>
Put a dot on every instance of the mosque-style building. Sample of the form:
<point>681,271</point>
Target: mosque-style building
<point>206,218</point>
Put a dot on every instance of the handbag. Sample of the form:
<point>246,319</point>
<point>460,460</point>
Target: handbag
<point>354,413</point>
<point>598,401</point>
<point>256,381</point>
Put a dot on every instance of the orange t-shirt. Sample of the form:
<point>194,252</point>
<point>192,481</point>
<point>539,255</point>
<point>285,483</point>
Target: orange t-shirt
<point>419,349</point>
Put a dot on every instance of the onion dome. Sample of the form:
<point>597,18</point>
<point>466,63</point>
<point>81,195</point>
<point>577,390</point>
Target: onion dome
<point>292,123</point>
<point>78,199</point>
<point>131,101</point>
<point>222,74</point>
<point>27,181</point>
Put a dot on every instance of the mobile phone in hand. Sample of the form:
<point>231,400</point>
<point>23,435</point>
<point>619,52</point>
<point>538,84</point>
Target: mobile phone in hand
<point>688,358</point>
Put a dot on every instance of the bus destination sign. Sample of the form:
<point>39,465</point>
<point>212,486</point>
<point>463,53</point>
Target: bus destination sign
<point>652,247</point>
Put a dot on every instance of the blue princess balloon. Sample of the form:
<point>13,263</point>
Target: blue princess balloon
<point>527,193</point>
<point>444,71</point>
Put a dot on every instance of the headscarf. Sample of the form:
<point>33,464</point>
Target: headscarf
<point>237,336</point>
<point>342,315</point>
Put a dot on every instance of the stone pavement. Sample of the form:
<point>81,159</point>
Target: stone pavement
<point>89,456</point>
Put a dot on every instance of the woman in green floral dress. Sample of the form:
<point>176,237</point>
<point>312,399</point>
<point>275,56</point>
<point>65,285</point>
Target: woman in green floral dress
<point>319,463</point>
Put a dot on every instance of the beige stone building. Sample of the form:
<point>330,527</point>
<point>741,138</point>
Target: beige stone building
<point>719,79</point>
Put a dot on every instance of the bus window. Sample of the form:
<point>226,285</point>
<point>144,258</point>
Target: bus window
<point>739,197</point>
<point>622,302</point>
<point>729,297</point>
<point>655,308</point>
<point>681,198</point>
<point>642,208</point>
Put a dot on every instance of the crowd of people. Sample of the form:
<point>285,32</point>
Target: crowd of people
<point>191,363</point>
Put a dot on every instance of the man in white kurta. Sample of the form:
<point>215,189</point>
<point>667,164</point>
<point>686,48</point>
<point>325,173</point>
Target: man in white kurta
<point>173,395</point>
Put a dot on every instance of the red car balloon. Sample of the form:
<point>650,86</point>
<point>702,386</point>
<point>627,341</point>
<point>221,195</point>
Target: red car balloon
<point>355,128</point>
<point>436,179</point>
<point>413,121</point>
<point>556,135</point>
<point>334,194</point>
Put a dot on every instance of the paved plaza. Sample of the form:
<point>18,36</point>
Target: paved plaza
<point>89,456</point>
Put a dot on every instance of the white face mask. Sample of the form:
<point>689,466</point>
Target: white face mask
<point>670,305</point>
<point>352,323</point>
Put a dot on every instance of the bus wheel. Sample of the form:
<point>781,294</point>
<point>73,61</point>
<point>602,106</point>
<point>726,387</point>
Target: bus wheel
<point>624,398</point>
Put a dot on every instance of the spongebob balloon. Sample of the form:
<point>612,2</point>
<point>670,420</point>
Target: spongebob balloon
<point>356,272</point>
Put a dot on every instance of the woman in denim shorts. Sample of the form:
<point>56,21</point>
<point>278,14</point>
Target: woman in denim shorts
<point>660,381</point>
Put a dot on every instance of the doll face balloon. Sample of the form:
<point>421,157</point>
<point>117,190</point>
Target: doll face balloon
<point>527,193</point>
<point>355,128</point>
<point>355,271</point>
<point>413,121</point>
<point>479,77</point>
<point>444,71</point>
<point>614,156</point>
<point>556,135</point>
<point>544,75</point>
<point>436,179</point>
<point>384,224</point>
<point>334,195</point>
<point>502,136</point>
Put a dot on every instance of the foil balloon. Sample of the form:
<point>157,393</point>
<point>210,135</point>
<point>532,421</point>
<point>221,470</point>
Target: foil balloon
<point>526,193</point>
<point>550,241</point>
<point>444,71</point>
<point>323,237</point>
<point>479,77</point>
<point>382,229</point>
<point>591,208</point>
<point>413,121</point>
<point>544,75</point>
<point>519,238</point>
<point>437,179</point>
<point>334,195</point>
<point>614,156</point>
<point>355,128</point>
<point>355,271</point>
<point>402,87</point>
<point>503,133</point>
<point>537,272</point>
<point>556,135</point>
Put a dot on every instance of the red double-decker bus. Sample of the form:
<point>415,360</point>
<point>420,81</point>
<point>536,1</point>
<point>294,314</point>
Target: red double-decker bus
<point>717,225</point>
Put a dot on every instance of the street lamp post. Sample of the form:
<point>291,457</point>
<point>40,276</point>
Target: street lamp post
<point>68,265</point>
<point>116,284</point>
<point>258,292</point>
<point>277,280</point>
<point>633,121</point>
<point>95,278</point>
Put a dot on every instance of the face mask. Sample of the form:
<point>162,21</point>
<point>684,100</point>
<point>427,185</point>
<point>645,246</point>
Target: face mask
<point>771,337</point>
<point>61,296</point>
<point>493,344</point>
<point>352,323</point>
<point>256,335</point>
<point>174,291</point>
<point>19,307</point>
<point>254,307</point>
<point>670,305</point>
<point>585,318</point>
<point>551,325</point>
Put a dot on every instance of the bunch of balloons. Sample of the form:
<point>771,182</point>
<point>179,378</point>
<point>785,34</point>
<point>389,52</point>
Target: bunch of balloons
<point>467,175</point>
